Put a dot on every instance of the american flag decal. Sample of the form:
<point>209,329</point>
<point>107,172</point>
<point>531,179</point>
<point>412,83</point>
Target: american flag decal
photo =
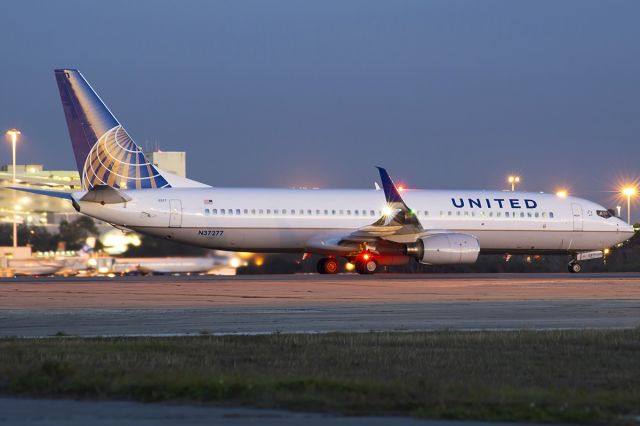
<point>208,202</point>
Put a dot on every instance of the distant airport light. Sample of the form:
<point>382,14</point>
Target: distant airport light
<point>562,193</point>
<point>629,191</point>
<point>513,180</point>
<point>13,134</point>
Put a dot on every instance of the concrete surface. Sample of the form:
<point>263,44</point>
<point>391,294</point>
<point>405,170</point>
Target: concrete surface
<point>312,303</point>
<point>40,412</point>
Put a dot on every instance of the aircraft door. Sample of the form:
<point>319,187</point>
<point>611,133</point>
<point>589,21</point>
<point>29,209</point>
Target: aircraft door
<point>577,217</point>
<point>175,214</point>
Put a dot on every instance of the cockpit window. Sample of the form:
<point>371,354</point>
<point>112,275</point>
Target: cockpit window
<point>604,213</point>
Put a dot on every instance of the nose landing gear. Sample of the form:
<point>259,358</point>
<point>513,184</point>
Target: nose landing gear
<point>574,267</point>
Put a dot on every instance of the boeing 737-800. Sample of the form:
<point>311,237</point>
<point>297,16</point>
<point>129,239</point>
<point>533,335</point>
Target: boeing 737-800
<point>371,228</point>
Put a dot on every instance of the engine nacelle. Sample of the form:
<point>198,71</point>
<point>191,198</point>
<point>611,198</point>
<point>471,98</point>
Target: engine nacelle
<point>445,249</point>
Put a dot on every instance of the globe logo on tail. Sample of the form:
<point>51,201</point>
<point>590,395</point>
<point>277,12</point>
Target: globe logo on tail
<point>116,161</point>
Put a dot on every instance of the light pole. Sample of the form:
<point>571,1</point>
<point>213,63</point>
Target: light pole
<point>619,208</point>
<point>513,180</point>
<point>13,133</point>
<point>629,191</point>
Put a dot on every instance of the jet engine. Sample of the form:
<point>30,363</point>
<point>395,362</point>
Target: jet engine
<point>445,249</point>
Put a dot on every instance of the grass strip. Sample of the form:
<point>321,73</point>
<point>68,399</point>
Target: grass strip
<point>578,376</point>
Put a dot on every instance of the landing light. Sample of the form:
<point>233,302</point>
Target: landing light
<point>349,266</point>
<point>386,211</point>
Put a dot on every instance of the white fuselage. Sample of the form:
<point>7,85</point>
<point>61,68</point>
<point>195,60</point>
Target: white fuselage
<point>285,220</point>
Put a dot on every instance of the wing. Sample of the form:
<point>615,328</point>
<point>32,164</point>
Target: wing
<point>398,224</point>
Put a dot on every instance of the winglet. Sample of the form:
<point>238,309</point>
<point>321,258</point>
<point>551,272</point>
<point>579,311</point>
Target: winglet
<point>391,192</point>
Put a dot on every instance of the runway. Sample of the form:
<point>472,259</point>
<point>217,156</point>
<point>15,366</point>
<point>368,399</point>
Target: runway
<point>313,303</point>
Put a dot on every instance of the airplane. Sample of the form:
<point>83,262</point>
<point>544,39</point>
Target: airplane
<point>369,227</point>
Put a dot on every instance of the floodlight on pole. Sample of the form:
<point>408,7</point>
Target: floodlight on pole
<point>629,191</point>
<point>13,134</point>
<point>513,180</point>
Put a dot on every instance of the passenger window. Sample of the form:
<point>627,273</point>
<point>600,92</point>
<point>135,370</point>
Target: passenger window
<point>544,214</point>
<point>206,212</point>
<point>293,211</point>
<point>341,212</point>
<point>261,211</point>
<point>326,212</point>
<point>356,212</point>
<point>246,211</point>
<point>450,213</point>
<point>301,211</point>
<point>214,211</point>
<point>333,212</point>
<point>221,211</point>
<point>490,214</point>
<point>537,214</point>
<point>253,211</point>
<point>230,212</point>
<point>309,212</point>
<point>426,212</point>
<point>268,211</point>
<point>506,214</point>
<point>348,212</point>
<point>317,212</point>
<point>529,214</point>
<point>238,212</point>
<point>551,215</point>
<point>498,214</point>
<point>521,214</point>
<point>372,213</point>
<point>466,213</point>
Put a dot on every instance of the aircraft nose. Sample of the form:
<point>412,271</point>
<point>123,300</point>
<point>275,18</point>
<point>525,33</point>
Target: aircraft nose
<point>626,228</point>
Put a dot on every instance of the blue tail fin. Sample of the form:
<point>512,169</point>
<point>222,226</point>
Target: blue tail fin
<point>105,153</point>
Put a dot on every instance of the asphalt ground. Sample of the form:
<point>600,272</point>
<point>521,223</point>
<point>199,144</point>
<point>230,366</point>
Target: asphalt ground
<point>168,305</point>
<point>39,412</point>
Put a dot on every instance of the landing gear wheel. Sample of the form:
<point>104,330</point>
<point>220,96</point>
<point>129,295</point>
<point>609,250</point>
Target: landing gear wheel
<point>328,265</point>
<point>574,267</point>
<point>366,267</point>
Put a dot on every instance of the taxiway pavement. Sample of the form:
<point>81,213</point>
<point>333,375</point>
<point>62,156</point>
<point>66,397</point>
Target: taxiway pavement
<point>311,303</point>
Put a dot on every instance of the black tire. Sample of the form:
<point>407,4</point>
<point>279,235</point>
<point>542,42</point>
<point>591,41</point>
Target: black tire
<point>366,267</point>
<point>328,265</point>
<point>574,267</point>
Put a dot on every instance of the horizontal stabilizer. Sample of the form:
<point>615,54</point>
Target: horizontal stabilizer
<point>56,194</point>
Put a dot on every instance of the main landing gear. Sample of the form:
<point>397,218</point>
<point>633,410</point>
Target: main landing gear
<point>328,265</point>
<point>366,265</point>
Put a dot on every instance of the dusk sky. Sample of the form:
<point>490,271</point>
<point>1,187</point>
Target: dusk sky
<point>445,94</point>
